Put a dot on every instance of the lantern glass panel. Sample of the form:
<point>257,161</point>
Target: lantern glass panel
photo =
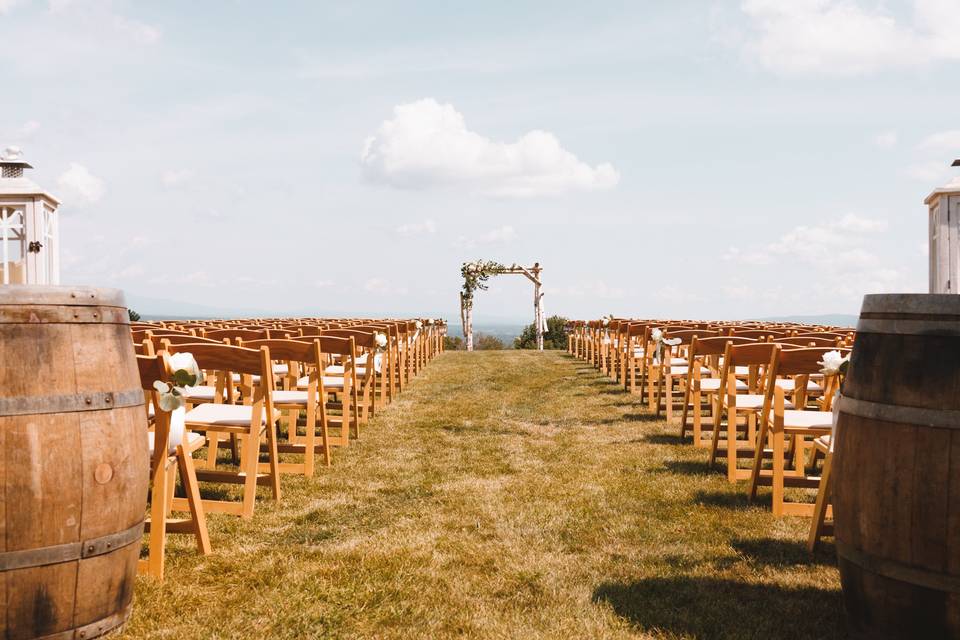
<point>13,239</point>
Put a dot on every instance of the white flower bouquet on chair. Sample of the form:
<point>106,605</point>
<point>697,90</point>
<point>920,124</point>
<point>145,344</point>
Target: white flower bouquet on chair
<point>835,364</point>
<point>659,342</point>
<point>186,374</point>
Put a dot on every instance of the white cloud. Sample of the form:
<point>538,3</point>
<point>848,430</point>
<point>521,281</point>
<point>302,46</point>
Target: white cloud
<point>411,229</point>
<point>833,244</point>
<point>383,287</point>
<point>885,139</point>
<point>323,284</point>
<point>7,5</point>
<point>843,37</point>
<point>947,142</point>
<point>79,183</point>
<point>673,294</point>
<point>102,15</point>
<point>932,172</point>
<point>28,128</point>
<point>427,144</point>
<point>174,177</point>
<point>139,32</point>
<point>588,289</point>
<point>499,236</point>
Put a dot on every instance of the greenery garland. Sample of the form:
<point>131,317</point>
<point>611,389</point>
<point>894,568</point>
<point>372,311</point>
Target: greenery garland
<point>475,276</point>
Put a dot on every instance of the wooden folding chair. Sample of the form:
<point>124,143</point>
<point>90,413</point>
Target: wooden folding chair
<point>790,430</point>
<point>249,422</point>
<point>292,400</point>
<point>340,384</point>
<point>752,406</point>
<point>706,353</point>
<point>163,466</point>
<point>365,363</point>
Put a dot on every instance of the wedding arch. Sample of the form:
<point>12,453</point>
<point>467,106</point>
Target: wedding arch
<point>475,276</point>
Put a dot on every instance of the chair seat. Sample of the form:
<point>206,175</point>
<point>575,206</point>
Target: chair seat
<point>754,401</point>
<point>789,384</point>
<point>338,370</point>
<point>824,443</point>
<point>281,369</point>
<point>193,441</point>
<point>329,382</point>
<point>223,415</point>
<point>685,370</point>
<point>201,393</point>
<point>713,384</point>
<point>236,378</point>
<point>290,397</point>
<point>808,420</point>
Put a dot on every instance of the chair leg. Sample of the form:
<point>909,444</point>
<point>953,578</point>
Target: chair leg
<point>310,453</point>
<point>820,508</point>
<point>732,444</point>
<point>778,468</point>
<point>188,476</point>
<point>158,521</point>
<point>249,452</point>
<point>668,396</point>
<point>274,460</point>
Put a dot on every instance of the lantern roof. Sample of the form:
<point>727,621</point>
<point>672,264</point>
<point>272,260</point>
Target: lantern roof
<point>12,180</point>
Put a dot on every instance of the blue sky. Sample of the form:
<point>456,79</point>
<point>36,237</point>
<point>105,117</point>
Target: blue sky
<point>685,159</point>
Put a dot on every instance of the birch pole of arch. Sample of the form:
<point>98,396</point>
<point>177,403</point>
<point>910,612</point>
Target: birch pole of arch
<point>475,276</point>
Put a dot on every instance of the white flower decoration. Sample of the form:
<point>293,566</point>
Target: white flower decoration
<point>832,361</point>
<point>185,361</point>
<point>380,339</point>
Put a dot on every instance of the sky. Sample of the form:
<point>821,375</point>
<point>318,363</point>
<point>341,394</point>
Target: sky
<point>696,159</point>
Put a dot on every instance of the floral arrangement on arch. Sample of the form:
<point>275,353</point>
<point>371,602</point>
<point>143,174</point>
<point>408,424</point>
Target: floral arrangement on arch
<point>475,275</point>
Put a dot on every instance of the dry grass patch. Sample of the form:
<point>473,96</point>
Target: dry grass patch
<point>505,495</point>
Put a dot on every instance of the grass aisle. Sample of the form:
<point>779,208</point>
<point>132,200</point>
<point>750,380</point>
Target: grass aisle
<point>504,495</point>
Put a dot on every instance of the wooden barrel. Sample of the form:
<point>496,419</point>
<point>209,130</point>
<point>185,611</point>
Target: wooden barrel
<point>896,474</point>
<point>73,462</point>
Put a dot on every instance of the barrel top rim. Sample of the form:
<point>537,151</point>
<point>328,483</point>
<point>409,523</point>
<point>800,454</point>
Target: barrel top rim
<point>932,303</point>
<point>25,294</point>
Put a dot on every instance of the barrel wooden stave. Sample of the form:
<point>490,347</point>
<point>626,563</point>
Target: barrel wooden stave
<point>897,483</point>
<point>72,476</point>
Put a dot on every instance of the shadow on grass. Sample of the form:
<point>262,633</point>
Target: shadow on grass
<point>689,468</point>
<point>661,438</point>
<point>783,553</point>
<point>714,608</point>
<point>730,500</point>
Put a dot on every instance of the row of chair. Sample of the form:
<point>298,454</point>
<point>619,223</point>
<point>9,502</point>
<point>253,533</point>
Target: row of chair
<point>275,396</point>
<point>752,393</point>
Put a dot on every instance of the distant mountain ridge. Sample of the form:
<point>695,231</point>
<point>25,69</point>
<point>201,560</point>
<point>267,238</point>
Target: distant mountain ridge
<point>832,319</point>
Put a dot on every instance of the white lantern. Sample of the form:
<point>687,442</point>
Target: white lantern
<point>29,240</point>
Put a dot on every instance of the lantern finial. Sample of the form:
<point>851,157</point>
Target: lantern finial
<point>12,163</point>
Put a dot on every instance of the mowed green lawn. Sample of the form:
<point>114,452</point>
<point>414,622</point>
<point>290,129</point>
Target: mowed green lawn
<point>504,495</point>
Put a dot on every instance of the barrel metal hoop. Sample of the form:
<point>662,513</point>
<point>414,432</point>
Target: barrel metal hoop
<point>58,553</point>
<point>94,629</point>
<point>62,314</point>
<point>69,403</point>
<point>907,327</point>
<point>896,570</point>
<point>916,416</point>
